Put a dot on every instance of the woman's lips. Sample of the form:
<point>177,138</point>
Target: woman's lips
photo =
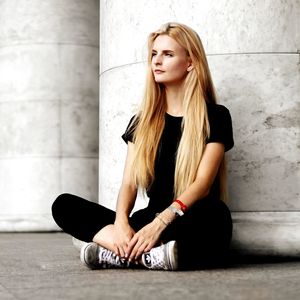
<point>158,71</point>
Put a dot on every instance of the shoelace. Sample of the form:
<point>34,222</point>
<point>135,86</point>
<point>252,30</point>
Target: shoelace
<point>109,259</point>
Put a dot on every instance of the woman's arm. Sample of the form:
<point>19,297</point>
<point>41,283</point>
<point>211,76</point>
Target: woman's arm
<point>148,236</point>
<point>126,199</point>
<point>207,171</point>
<point>128,191</point>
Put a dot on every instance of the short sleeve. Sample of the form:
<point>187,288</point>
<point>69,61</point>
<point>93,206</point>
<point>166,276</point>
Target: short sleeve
<point>220,126</point>
<point>127,136</point>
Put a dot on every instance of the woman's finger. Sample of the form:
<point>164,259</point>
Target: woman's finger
<point>121,251</point>
<point>149,247</point>
<point>140,251</point>
<point>135,249</point>
<point>130,246</point>
<point>116,249</point>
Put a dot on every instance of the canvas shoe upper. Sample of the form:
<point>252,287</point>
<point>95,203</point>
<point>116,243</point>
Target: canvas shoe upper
<point>163,257</point>
<point>97,257</point>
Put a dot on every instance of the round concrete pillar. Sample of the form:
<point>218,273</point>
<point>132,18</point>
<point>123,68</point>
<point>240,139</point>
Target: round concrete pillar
<point>252,53</point>
<point>48,107</point>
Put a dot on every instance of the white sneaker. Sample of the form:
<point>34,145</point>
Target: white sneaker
<point>163,257</point>
<point>97,257</point>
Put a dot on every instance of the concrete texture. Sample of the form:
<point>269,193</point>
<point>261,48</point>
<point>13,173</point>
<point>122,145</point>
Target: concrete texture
<point>263,167</point>
<point>225,26</point>
<point>47,266</point>
<point>256,73</point>
<point>49,60</point>
<point>266,233</point>
<point>254,63</point>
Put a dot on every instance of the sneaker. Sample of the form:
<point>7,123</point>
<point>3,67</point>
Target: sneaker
<point>163,257</point>
<point>97,257</point>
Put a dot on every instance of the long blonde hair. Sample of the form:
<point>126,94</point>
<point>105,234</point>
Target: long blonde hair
<point>198,90</point>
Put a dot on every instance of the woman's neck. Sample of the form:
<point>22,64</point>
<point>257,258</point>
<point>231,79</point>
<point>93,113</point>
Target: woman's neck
<point>174,97</point>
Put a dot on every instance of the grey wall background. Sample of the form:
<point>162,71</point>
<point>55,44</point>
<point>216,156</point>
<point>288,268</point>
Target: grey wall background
<point>49,59</point>
<point>253,52</point>
<point>49,55</point>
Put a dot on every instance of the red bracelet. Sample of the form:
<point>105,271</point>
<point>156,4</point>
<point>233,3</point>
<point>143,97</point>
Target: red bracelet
<point>182,206</point>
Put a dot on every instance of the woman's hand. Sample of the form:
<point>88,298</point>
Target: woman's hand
<point>145,239</point>
<point>123,233</point>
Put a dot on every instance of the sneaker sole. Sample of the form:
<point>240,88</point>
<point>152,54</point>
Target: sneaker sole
<point>173,255</point>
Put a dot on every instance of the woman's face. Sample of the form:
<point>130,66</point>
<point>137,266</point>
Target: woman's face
<point>170,62</point>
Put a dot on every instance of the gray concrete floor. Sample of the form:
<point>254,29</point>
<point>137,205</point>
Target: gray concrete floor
<point>47,266</point>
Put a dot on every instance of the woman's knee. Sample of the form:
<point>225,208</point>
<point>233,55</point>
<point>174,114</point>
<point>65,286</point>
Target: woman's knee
<point>104,237</point>
<point>60,204</point>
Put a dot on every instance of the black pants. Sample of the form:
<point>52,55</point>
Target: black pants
<point>203,234</point>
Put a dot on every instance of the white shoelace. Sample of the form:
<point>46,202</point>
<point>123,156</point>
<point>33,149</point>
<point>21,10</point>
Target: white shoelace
<point>109,259</point>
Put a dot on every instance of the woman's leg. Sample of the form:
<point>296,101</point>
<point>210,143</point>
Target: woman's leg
<point>138,220</point>
<point>203,234</point>
<point>80,218</point>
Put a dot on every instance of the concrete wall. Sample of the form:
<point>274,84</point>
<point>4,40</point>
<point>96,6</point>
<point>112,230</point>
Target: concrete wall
<point>252,52</point>
<point>49,55</point>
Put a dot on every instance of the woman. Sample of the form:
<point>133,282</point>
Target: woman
<point>176,144</point>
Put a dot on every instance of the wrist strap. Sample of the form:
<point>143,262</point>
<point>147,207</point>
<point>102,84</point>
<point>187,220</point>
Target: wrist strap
<point>176,211</point>
<point>182,206</point>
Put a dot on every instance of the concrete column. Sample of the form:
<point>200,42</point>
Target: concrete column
<point>252,52</point>
<point>48,107</point>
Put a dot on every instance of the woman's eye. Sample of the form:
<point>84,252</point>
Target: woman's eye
<point>169,54</point>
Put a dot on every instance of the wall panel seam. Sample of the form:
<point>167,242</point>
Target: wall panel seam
<point>49,44</point>
<point>214,54</point>
<point>47,156</point>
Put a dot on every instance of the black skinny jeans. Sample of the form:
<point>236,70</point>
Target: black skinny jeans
<point>203,234</point>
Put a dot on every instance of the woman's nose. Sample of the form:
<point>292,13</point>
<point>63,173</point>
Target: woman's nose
<point>157,60</point>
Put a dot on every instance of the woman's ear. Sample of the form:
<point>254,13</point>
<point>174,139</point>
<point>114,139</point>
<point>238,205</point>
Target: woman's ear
<point>190,68</point>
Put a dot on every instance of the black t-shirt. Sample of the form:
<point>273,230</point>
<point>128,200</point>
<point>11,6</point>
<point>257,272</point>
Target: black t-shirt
<point>161,190</point>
